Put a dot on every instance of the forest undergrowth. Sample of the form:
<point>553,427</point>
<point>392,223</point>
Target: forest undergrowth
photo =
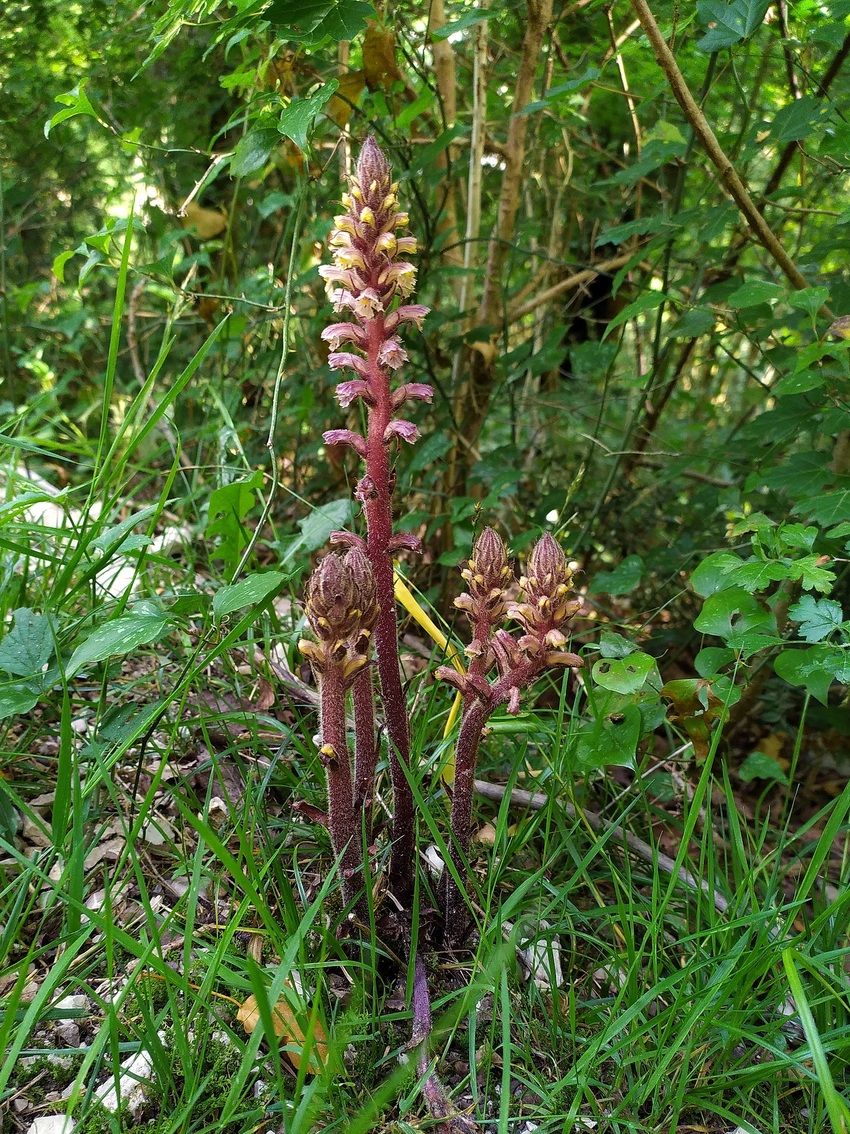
<point>581,620</point>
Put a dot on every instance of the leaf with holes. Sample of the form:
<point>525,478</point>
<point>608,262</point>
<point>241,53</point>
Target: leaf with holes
<point>623,675</point>
<point>739,619</point>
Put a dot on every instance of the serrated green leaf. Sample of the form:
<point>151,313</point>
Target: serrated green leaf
<point>801,474</point>
<point>252,589</point>
<point>828,508</point>
<point>758,574</point>
<point>622,580</point>
<point>817,618</point>
<point>253,151</point>
<point>716,573</point>
<point>812,575</point>
<point>119,637</point>
<point>27,648</point>
<point>729,21</point>
<point>752,294</point>
<point>297,118</point>
<point>623,675</point>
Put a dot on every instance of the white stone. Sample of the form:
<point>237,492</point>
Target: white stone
<point>133,1082</point>
<point>52,1124</point>
<point>78,1002</point>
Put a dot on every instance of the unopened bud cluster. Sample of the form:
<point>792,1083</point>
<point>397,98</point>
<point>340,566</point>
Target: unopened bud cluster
<point>341,610</point>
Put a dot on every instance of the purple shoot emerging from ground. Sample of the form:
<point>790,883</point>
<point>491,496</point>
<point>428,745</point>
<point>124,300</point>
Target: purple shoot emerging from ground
<point>370,275</point>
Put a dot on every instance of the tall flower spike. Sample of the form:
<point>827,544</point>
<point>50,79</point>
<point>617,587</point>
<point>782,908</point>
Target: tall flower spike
<point>488,577</point>
<point>370,279</point>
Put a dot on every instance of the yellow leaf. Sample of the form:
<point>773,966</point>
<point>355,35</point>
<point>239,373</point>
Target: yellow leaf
<point>289,1030</point>
<point>379,64</point>
<point>207,222</point>
<point>350,88</point>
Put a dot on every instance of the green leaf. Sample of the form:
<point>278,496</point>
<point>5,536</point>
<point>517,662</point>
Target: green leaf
<point>812,575</point>
<point>817,618</point>
<point>801,474</point>
<point>253,151</point>
<point>623,579</point>
<point>813,668</point>
<point>808,299</point>
<point>736,617</point>
<point>828,508</point>
<point>252,589</point>
<point>799,383</point>
<point>297,118</point>
<point>609,741</point>
<point>711,659</point>
<point>649,302</point>
<point>119,637</point>
<point>60,261</point>
<point>623,675</point>
<point>17,698</point>
<point>794,122</point>
<point>474,16</point>
<point>716,573</point>
<point>752,294</point>
<point>114,537</point>
<point>759,766</point>
<point>75,102</point>
<point>613,645</point>
<point>758,574</point>
<point>696,322</point>
<point>311,21</point>
<point>28,647</point>
<point>729,21</point>
<point>317,527</point>
<point>229,505</point>
<point>622,232</point>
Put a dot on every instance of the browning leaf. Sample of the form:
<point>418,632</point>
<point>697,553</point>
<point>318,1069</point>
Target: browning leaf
<point>289,1030</point>
<point>351,86</point>
<point>379,62</point>
<point>207,222</point>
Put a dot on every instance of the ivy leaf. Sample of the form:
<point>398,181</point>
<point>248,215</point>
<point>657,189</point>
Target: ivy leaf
<point>613,645</point>
<point>297,118</point>
<point>311,21</point>
<point>808,299</point>
<point>729,22</point>
<point>623,675</point>
<point>28,647</point>
<point>737,618</point>
<point>716,573</point>
<point>813,668</point>
<point>609,740</point>
<point>711,659</point>
<point>817,618</point>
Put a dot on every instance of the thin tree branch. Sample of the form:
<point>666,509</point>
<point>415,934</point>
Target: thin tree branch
<point>578,279</point>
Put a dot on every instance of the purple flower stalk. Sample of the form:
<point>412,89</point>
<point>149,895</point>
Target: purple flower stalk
<point>549,604</point>
<point>371,275</point>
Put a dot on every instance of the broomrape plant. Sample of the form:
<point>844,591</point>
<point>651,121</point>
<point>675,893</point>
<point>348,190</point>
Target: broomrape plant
<point>350,602</point>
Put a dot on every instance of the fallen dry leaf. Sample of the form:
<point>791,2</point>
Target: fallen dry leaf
<point>206,222</point>
<point>289,1030</point>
